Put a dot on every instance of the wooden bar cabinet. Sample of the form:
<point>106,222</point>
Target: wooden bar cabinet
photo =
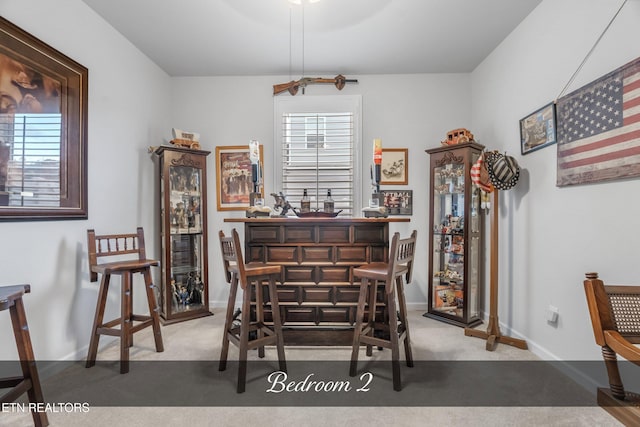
<point>316,293</point>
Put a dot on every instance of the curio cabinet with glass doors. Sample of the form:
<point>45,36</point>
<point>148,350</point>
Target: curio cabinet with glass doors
<point>455,237</point>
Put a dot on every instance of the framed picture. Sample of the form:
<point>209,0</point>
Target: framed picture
<point>398,202</point>
<point>598,129</point>
<point>234,181</point>
<point>43,130</point>
<point>538,129</point>
<point>395,166</point>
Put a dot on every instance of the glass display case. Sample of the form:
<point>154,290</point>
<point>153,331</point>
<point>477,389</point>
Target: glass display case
<point>456,236</point>
<point>183,216</point>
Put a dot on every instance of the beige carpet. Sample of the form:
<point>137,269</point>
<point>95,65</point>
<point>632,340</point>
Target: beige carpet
<point>199,340</point>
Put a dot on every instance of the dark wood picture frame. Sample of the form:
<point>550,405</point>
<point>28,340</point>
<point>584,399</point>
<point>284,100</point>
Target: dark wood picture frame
<point>42,81</point>
<point>538,129</point>
<point>234,161</point>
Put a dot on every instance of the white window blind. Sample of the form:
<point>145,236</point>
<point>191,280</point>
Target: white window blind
<point>317,149</point>
<point>30,154</point>
<point>324,162</point>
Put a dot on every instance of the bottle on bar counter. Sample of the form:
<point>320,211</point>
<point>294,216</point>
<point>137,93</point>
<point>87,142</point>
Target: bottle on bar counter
<point>328,203</point>
<point>305,203</point>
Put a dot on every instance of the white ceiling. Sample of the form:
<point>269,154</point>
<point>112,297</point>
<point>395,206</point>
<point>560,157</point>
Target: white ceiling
<point>266,37</point>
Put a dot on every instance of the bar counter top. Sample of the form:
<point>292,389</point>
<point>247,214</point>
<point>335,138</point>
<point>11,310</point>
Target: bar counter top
<point>336,220</point>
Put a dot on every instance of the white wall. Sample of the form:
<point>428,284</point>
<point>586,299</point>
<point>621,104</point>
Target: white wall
<point>129,102</point>
<point>549,236</point>
<point>413,111</point>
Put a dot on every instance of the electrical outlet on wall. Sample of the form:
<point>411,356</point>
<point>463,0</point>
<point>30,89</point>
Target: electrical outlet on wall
<point>551,314</point>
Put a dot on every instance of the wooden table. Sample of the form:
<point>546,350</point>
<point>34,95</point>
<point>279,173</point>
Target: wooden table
<point>317,296</point>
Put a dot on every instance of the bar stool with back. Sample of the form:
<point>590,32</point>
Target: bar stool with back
<point>119,245</point>
<point>389,274</point>
<point>29,382</point>
<point>250,277</point>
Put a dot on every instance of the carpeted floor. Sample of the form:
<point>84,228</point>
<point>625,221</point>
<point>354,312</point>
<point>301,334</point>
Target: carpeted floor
<point>183,387</point>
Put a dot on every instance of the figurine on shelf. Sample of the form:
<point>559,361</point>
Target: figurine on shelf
<point>458,136</point>
<point>181,215</point>
<point>184,295</point>
<point>185,139</point>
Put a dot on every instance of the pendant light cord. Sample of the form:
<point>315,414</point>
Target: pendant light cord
<point>591,51</point>
<point>290,42</point>
<point>302,6</point>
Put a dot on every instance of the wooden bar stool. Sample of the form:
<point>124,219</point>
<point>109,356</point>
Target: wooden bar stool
<point>29,382</point>
<point>118,245</point>
<point>248,275</point>
<point>400,264</point>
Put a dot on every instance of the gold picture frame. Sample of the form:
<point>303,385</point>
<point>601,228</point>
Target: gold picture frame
<point>394,169</point>
<point>233,177</point>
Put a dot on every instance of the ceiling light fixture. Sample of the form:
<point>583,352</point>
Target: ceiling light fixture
<point>299,2</point>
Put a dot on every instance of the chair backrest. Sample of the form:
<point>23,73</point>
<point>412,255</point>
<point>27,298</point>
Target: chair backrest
<point>113,245</point>
<point>613,308</point>
<point>401,255</point>
<point>232,256</point>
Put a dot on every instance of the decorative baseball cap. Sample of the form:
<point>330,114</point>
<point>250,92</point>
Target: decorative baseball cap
<point>504,171</point>
<point>480,175</point>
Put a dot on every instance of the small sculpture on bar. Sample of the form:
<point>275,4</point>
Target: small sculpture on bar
<point>281,204</point>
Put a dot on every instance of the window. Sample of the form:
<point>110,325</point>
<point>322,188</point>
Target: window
<point>315,130</point>
<point>30,162</point>
<point>316,140</point>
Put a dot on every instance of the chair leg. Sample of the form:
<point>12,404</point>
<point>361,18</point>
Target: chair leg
<point>260,313</point>
<point>277,322</point>
<point>27,360</point>
<point>395,347</point>
<point>98,319</point>
<point>357,330</point>
<point>153,310</point>
<point>244,339</point>
<point>615,382</point>
<point>371,321</point>
<point>404,320</point>
<point>228,323</point>
<point>125,322</point>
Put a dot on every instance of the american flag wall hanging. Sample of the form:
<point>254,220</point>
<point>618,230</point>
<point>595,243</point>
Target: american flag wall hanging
<point>599,129</point>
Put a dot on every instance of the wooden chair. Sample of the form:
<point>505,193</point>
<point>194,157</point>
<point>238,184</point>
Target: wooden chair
<point>248,275</point>
<point>29,382</point>
<point>390,275</point>
<point>615,317</point>
<point>121,245</point>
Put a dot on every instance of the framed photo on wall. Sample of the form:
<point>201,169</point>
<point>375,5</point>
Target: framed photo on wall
<point>398,202</point>
<point>538,129</point>
<point>395,166</point>
<point>233,177</point>
<point>43,131</point>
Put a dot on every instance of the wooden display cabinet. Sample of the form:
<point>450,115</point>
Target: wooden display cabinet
<point>184,293</point>
<point>455,237</point>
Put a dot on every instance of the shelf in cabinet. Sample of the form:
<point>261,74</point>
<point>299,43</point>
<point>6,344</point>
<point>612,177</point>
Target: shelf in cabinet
<point>184,232</point>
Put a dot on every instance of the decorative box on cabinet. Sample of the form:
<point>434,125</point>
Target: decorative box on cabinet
<point>456,236</point>
<point>184,290</point>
